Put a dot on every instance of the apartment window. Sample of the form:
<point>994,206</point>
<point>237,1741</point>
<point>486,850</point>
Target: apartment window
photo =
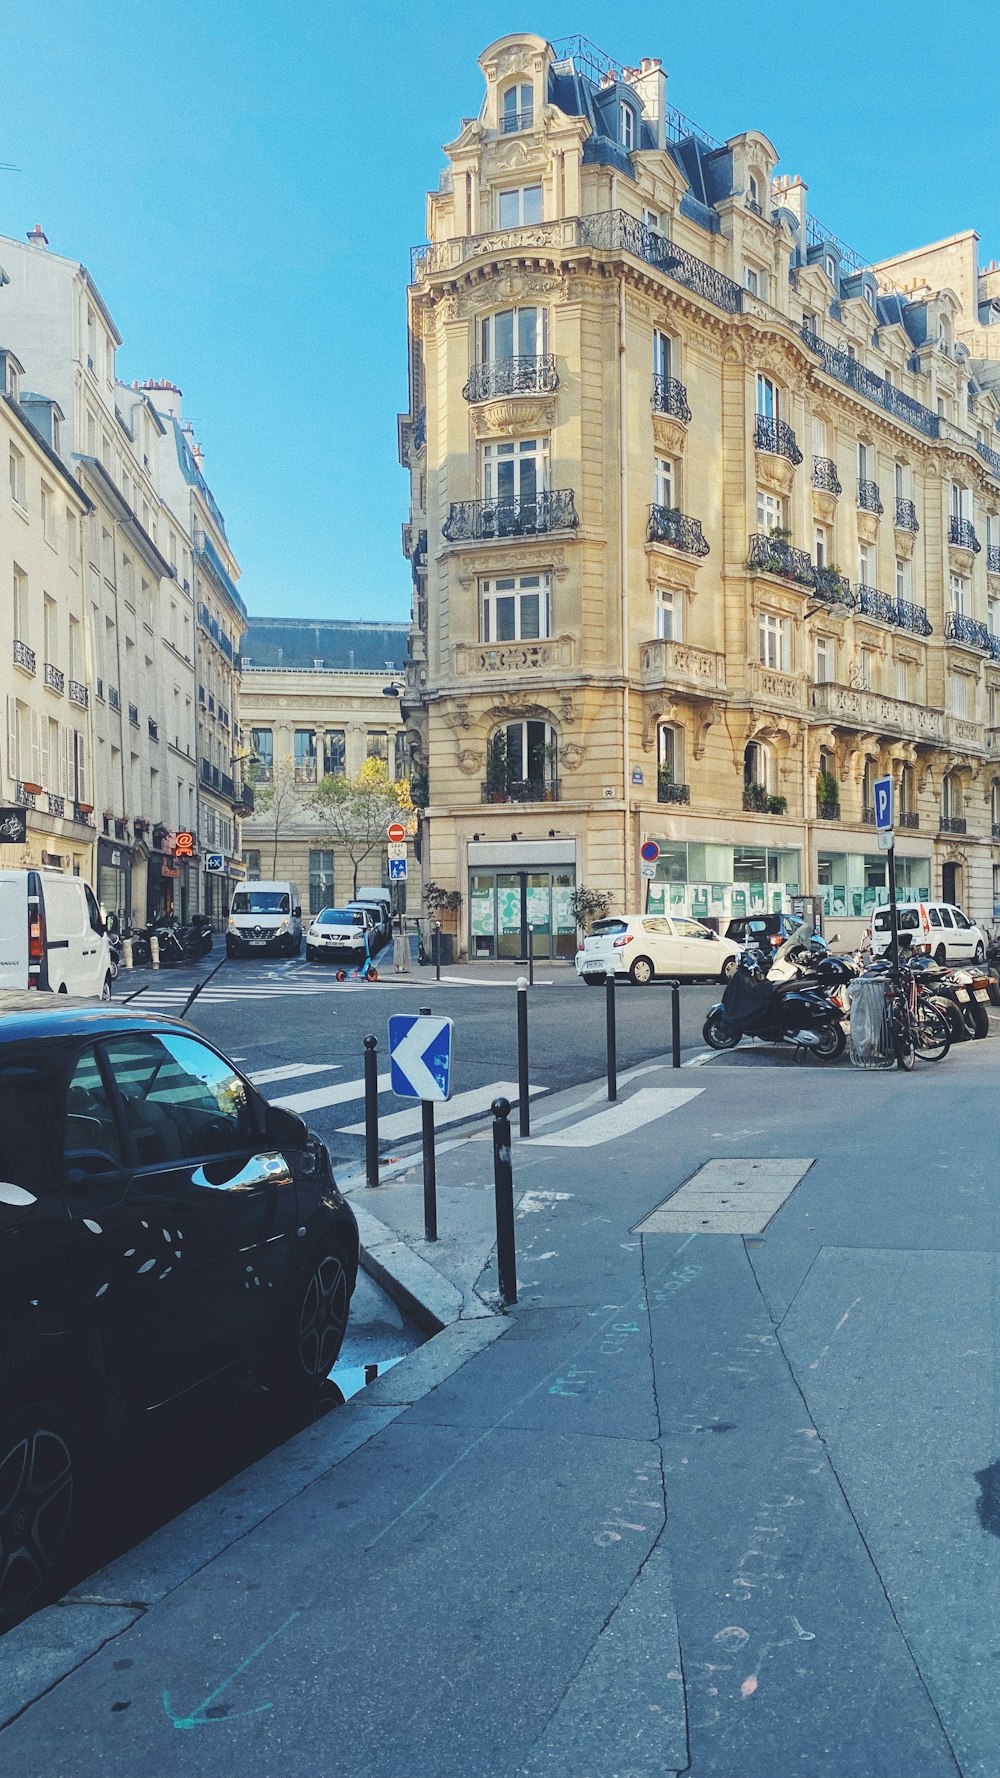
<point>48,514</point>
<point>959,591</point>
<point>517,109</point>
<point>626,127</point>
<point>864,565</point>
<point>515,608</point>
<point>669,615</point>
<point>868,785</point>
<point>320,881</point>
<point>664,485</point>
<point>305,755</point>
<point>902,578</point>
<point>400,755</point>
<point>17,482</point>
<point>262,746</point>
<point>756,766</point>
<point>993,616</point>
<point>377,745</point>
<point>951,798</point>
<point>515,471</point>
<point>71,543</point>
<point>903,681</point>
<point>752,278</point>
<point>652,220</point>
<point>768,398</point>
<point>513,333</point>
<point>958,695</point>
<point>826,659</point>
<point>867,669</point>
<point>819,435</point>
<point>753,190</point>
<point>50,642</point>
<point>821,545</point>
<point>901,478</point>
<point>774,641</point>
<point>335,753</point>
<point>521,204</point>
<point>252,856</point>
<point>866,463</point>
<point>670,753</point>
<point>831,270</point>
<point>662,354</point>
<point>810,322</point>
<point>770,511</point>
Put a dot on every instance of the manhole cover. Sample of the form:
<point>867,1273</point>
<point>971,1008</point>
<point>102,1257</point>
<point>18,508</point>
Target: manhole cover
<point>730,1197</point>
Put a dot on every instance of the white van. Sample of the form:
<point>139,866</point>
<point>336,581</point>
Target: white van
<point>265,916</point>
<point>52,935</point>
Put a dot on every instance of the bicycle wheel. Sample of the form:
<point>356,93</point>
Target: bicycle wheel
<point>902,1034</point>
<point>931,1033</point>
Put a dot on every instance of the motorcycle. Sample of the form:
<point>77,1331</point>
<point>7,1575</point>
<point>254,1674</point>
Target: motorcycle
<point>961,993</point>
<point>196,937</point>
<point>801,1011</point>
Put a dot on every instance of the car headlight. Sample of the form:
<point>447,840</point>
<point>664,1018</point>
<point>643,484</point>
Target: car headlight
<point>231,925</point>
<point>283,926</point>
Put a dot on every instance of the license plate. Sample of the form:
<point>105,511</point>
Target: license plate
<point>982,994</point>
<point>961,993</point>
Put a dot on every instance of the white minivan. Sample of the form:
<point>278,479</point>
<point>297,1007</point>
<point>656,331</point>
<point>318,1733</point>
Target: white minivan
<point>52,935</point>
<point>264,916</point>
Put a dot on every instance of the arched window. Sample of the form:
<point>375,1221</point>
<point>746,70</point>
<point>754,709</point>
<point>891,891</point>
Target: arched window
<point>517,109</point>
<point>906,800</point>
<point>995,808</point>
<point>756,766</point>
<point>951,798</point>
<point>522,762</point>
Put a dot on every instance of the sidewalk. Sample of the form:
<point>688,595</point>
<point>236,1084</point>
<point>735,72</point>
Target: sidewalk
<point>718,1496</point>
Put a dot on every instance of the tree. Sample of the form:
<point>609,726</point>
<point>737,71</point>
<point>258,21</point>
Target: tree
<point>588,905</point>
<point>353,813</point>
<point>276,799</point>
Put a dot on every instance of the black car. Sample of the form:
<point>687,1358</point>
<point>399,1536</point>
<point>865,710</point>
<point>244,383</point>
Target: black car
<point>769,931</point>
<point>161,1227</point>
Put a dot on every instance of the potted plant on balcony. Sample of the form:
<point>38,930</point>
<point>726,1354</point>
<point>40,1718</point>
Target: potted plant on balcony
<point>756,798</point>
<point>32,788</point>
<point>777,805</point>
<point>828,796</point>
<point>140,826</point>
<point>160,832</point>
<point>497,781</point>
<point>664,783</point>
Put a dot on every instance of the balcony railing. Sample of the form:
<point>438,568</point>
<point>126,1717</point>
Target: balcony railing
<point>906,516</point>
<point>227,785</point>
<point>827,811</point>
<point>512,121</point>
<point>901,613</point>
<point>777,437</point>
<point>667,525</point>
<point>913,617</point>
<point>773,555</point>
<point>113,699</point>
<point>834,588</point>
<point>868,816</point>
<point>420,430</point>
<point>869,498</point>
<point>244,800</point>
<point>825,475</point>
<point>24,656</point>
<point>521,790</point>
<point>24,798</point>
<point>57,804</point>
<point>511,516</point>
<point>670,397</point>
<point>525,375</point>
<point>993,558</point>
<point>672,793</point>
<point>78,694</point>
<point>907,818</point>
<point>961,532</point>
<point>82,813</point>
<point>848,706</point>
<point>52,677</point>
<point>960,628</point>
<point>845,369</point>
<point>305,772</point>
<point>991,457</point>
<point>952,824</point>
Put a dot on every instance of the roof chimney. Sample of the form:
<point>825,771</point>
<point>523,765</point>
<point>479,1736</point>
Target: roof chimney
<point>650,82</point>
<point>37,236</point>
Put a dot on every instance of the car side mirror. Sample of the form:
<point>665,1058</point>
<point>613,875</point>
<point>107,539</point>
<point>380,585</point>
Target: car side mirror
<point>283,1128</point>
<point>91,1166</point>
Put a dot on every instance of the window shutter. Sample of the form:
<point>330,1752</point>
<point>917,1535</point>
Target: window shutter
<point>13,752</point>
<point>81,767</point>
<point>66,785</point>
<point>39,749</point>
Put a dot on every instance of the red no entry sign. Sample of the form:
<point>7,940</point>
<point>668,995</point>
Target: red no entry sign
<point>396,831</point>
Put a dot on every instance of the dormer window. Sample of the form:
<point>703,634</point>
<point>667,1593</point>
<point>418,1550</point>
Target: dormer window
<point>753,194</point>
<point>517,110</point>
<point>831,269</point>
<point>626,127</point>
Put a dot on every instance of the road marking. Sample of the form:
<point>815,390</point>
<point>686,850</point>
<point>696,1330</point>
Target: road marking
<point>293,1071</point>
<point>318,1097</point>
<point>555,1117</point>
<point>408,1123</point>
<point>617,1120</point>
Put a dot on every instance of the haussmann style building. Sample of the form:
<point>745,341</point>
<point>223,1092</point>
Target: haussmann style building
<point>704,524</point>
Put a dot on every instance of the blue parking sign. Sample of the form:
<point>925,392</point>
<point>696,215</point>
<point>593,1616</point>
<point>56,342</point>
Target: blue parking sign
<point>883,802</point>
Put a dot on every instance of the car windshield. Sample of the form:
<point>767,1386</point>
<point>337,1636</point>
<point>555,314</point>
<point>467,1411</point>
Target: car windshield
<point>340,917</point>
<point>907,920</point>
<point>261,901</point>
<point>601,928</point>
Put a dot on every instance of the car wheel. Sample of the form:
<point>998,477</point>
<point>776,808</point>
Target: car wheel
<point>315,1327</point>
<point>979,954</point>
<point>715,1034</point>
<point>106,989</point>
<point>729,969</point>
<point>594,981</point>
<point>641,972</point>
<point>41,1466</point>
<point>941,955</point>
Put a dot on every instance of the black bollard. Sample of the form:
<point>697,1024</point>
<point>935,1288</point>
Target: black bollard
<point>503,1186</point>
<point>523,1102</point>
<point>675,1022</point>
<point>430,1170</point>
<point>531,956</point>
<point>371,1110</point>
<point>609,1007</point>
<point>437,950</point>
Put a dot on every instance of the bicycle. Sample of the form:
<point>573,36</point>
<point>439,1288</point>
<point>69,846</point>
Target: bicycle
<point>916,1027</point>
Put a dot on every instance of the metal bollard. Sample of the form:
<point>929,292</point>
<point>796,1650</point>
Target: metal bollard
<point>437,950</point>
<point>127,953</point>
<point>503,1187</point>
<point>609,1007</point>
<point>430,1170</point>
<point>675,1023</point>
<point>523,1101</point>
<point>531,956</point>
<point>371,1110</point>
<point>154,952</point>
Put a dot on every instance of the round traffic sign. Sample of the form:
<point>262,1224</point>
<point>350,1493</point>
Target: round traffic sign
<point>650,851</point>
<point>396,831</point>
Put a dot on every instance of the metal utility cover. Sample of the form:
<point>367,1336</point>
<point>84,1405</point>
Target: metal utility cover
<point>726,1197</point>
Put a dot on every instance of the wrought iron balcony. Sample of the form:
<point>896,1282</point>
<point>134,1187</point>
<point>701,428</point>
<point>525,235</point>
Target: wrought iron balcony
<point>670,397</point>
<point>52,677</point>
<point>667,525</point>
<point>845,369</point>
<point>83,812</point>
<point>777,437</point>
<point>667,792</point>
<point>512,121</point>
<point>907,818</point>
<point>906,515</point>
<point>511,516</point>
<point>78,694</point>
<point>226,785</point>
<point>825,475</point>
<point>834,588</point>
<point>520,790</point>
<point>420,430</point>
<point>914,618</point>
<point>57,804</point>
<point>993,558</point>
<point>243,801</point>
<point>952,824</point>
<point>960,628</point>
<point>773,555</point>
<point>24,798</point>
<point>990,457</point>
<point>868,817</point>
<point>869,499</point>
<point>962,533</point>
<point>901,613</point>
<point>827,811</point>
<point>533,374</point>
<point>24,656</point>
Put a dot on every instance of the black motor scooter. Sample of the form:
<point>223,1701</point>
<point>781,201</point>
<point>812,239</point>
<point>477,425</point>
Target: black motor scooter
<point>800,1012</point>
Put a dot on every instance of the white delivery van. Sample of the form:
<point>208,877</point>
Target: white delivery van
<point>52,935</point>
<point>265,916</point>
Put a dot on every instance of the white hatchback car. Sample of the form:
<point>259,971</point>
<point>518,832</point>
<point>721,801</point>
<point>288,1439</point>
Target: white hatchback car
<point>643,946</point>
<point>934,928</point>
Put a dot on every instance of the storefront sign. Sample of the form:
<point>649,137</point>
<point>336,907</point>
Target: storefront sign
<point>184,845</point>
<point>13,827</point>
<point>215,862</point>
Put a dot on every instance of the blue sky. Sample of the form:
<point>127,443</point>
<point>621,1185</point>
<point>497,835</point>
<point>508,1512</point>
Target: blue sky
<point>244,178</point>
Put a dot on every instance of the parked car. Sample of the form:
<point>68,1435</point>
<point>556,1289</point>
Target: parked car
<point>937,929</point>
<point>264,916</point>
<point>381,916</point>
<point>643,946</point>
<point>52,936</point>
<point>161,1228</point>
<point>339,935</point>
<point>767,931</point>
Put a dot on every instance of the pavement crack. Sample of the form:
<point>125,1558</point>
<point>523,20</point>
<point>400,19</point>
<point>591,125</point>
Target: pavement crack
<point>652,1355</point>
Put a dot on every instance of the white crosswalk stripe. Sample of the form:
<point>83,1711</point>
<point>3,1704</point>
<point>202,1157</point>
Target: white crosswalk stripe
<point>408,1123</point>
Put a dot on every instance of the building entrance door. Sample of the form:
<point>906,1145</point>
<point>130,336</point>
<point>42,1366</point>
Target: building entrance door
<point>950,883</point>
<point>505,903</point>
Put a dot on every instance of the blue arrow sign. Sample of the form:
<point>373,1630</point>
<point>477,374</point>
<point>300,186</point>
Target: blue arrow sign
<point>420,1050</point>
<point>883,802</point>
